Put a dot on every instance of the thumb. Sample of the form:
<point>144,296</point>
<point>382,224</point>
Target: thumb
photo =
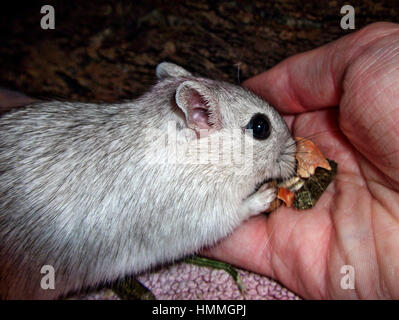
<point>313,80</point>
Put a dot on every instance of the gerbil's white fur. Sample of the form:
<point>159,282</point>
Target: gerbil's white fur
<point>79,190</point>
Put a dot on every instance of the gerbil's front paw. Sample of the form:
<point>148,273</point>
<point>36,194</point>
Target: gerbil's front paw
<point>259,201</point>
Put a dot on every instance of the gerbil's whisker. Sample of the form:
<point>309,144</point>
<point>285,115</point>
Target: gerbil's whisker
<point>237,65</point>
<point>312,136</point>
<point>320,133</point>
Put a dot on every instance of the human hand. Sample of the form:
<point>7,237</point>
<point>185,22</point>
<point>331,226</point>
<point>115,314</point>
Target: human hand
<point>356,221</point>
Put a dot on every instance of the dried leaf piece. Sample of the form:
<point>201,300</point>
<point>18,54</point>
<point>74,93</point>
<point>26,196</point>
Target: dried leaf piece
<point>309,157</point>
<point>215,264</point>
<point>131,289</point>
<point>286,195</point>
<point>307,196</point>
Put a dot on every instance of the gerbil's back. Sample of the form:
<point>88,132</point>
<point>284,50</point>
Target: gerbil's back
<point>59,163</point>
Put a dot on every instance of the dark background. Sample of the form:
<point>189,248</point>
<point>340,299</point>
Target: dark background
<point>108,50</point>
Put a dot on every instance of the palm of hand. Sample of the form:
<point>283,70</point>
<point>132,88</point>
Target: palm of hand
<point>356,220</point>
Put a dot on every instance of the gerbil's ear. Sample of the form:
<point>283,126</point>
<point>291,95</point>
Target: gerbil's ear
<point>199,106</point>
<point>167,69</point>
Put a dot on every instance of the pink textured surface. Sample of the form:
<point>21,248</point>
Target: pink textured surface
<point>189,282</point>
<point>186,281</point>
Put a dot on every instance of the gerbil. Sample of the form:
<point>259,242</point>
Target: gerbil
<point>94,191</point>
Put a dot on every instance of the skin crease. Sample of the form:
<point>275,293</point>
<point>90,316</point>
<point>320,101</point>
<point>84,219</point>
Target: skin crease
<point>356,221</point>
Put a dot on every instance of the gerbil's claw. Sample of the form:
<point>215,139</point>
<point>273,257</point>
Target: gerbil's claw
<point>260,201</point>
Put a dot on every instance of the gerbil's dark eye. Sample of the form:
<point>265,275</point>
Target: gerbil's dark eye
<point>260,126</point>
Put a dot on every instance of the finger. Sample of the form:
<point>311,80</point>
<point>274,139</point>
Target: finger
<point>313,80</point>
<point>12,99</point>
